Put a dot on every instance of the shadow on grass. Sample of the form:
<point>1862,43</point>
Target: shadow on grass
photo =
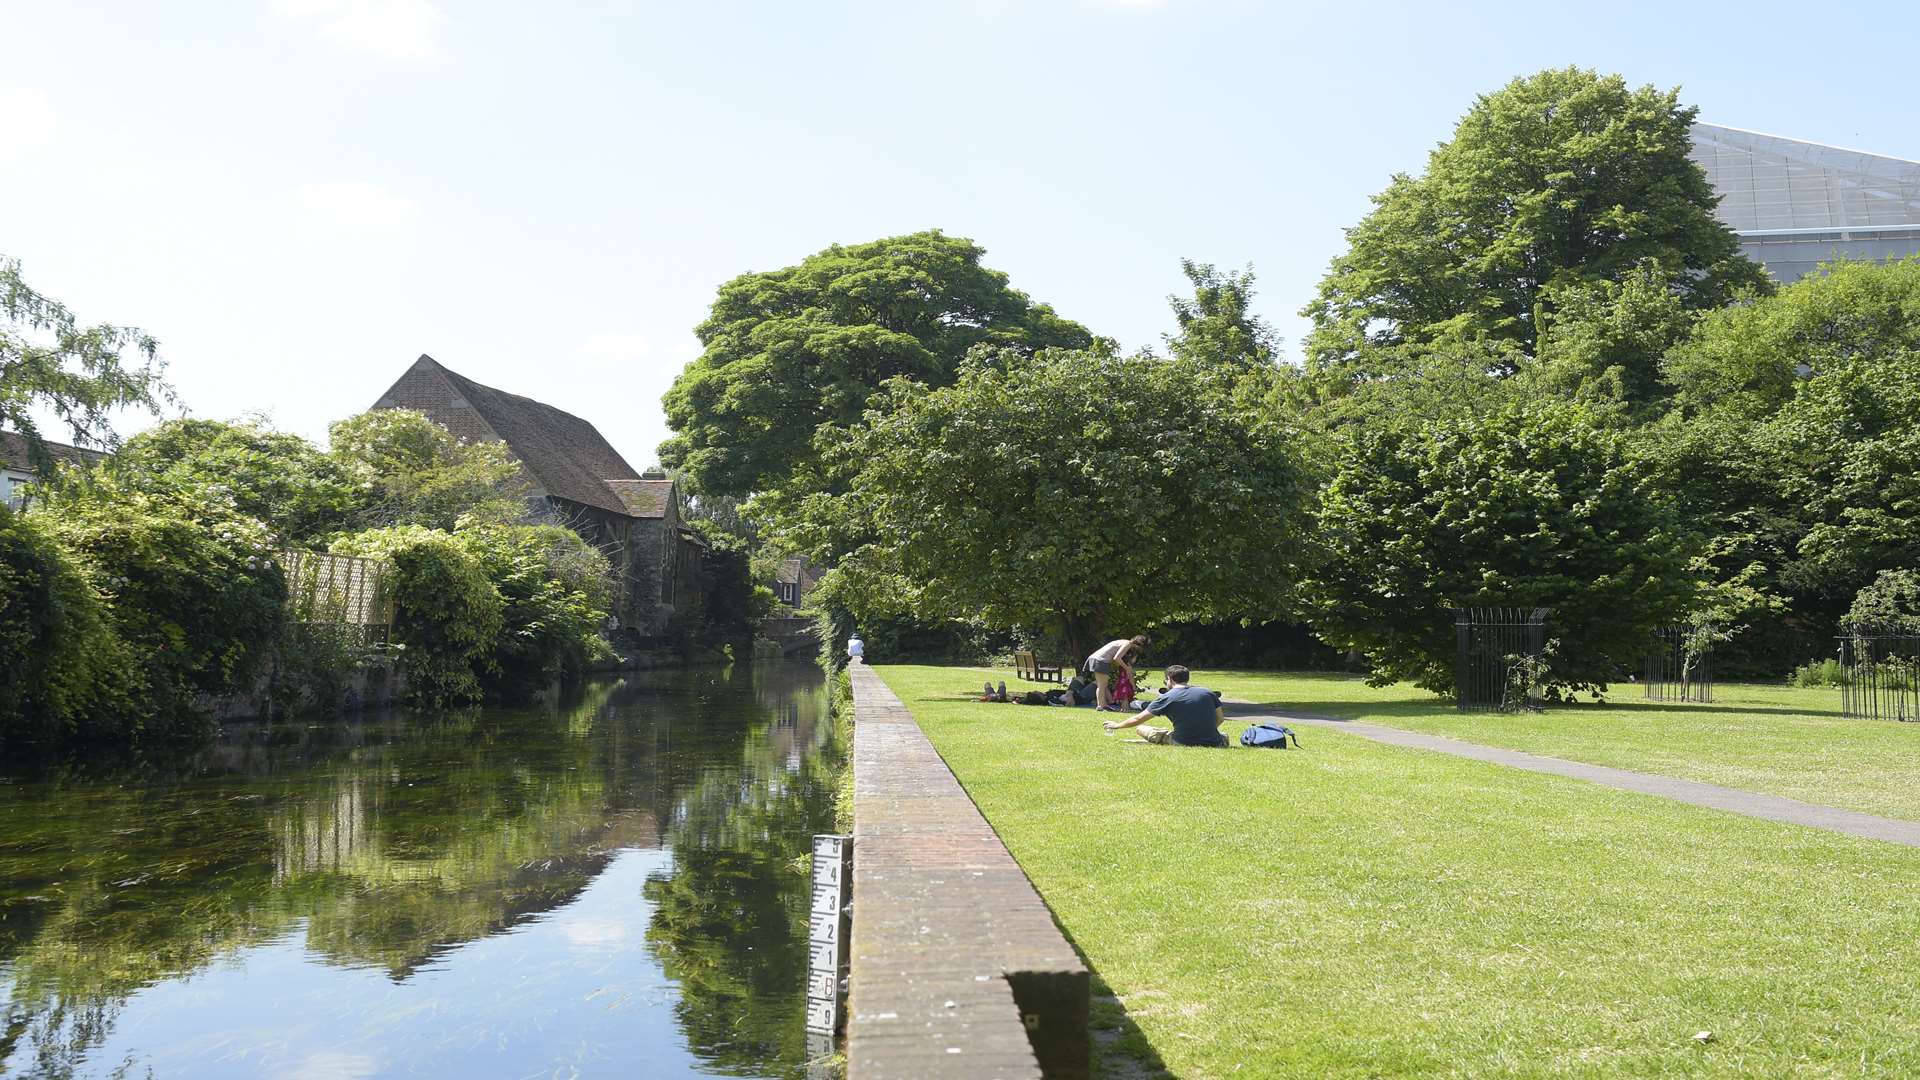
<point>1120,1049</point>
<point>1689,706</point>
<point>1349,711</point>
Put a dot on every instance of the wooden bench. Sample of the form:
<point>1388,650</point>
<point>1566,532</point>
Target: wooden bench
<point>1029,668</point>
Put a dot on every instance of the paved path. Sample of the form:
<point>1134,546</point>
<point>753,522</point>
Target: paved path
<point>1750,803</point>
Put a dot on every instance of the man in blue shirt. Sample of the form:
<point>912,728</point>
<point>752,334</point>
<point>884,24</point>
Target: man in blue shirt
<point>1194,710</point>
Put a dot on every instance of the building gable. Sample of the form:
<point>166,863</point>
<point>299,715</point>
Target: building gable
<point>563,454</point>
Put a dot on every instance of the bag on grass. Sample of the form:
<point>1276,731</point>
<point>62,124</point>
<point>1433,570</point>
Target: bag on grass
<point>1272,736</point>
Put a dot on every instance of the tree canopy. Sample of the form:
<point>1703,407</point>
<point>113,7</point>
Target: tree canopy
<point>1530,506</point>
<point>788,350</point>
<point>1797,429</point>
<point>1748,358</point>
<point>1217,324</point>
<point>1073,491</point>
<point>1557,182</point>
<point>82,374</point>
<point>275,476</point>
<point>410,470</point>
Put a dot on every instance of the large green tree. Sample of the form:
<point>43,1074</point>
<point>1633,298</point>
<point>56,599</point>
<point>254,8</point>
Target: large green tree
<point>82,374</point>
<point>1531,506</point>
<point>789,350</point>
<point>1795,437</point>
<point>1075,492</point>
<point>1558,181</point>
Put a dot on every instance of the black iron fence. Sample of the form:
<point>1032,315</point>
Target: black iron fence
<point>1680,667</point>
<point>1502,658</point>
<point>1882,679</point>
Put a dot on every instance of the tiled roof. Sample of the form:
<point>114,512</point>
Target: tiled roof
<point>15,453</point>
<point>644,498</point>
<point>562,453</point>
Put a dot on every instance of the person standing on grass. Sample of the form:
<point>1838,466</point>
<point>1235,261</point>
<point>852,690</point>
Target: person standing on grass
<point>1194,710</point>
<point>1117,654</point>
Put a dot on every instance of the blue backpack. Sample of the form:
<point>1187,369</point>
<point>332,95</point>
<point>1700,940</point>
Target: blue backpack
<point>1272,736</point>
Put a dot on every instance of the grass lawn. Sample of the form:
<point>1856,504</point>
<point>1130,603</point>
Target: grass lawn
<point>1762,738</point>
<point>1363,910</point>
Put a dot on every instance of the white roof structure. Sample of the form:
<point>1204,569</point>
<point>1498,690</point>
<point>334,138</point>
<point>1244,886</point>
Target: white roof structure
<point>1797,204</point>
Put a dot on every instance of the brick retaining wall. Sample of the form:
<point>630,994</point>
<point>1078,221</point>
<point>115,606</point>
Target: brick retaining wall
<point>957,967</point>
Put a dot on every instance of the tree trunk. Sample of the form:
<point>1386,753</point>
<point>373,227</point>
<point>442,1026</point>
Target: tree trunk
<point>1078,631</point>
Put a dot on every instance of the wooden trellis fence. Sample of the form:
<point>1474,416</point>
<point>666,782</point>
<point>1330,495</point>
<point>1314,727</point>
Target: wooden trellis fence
<point>340,590</point>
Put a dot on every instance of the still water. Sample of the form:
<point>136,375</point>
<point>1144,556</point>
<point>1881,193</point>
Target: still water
<point>614,886</point>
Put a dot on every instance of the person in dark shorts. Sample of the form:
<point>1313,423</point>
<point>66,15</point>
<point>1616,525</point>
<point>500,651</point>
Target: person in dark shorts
<point>1117,654</point>
<point>1194,711</point>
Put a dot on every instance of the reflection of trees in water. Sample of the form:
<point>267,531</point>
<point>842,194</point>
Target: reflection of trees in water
<point>730,918</point>
<point>394,840</point>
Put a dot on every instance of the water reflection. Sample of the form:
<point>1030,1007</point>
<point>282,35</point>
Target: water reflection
<point>613,887</point>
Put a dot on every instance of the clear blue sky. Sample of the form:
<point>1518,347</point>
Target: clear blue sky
<point>300,196</point>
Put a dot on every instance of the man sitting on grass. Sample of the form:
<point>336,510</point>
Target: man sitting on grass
<point>1194,710</point>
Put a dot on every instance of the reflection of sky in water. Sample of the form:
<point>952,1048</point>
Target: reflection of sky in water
<point>501,1006</point>
<point>613,888</point>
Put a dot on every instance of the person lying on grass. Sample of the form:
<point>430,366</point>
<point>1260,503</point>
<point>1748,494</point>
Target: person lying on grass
<point>1194,710</point>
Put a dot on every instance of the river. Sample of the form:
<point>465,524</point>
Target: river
<point>611,886</point>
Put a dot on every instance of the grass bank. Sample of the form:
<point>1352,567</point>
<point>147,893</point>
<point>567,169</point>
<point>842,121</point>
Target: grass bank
<point>1776,739</point>
<point>1363,910</point>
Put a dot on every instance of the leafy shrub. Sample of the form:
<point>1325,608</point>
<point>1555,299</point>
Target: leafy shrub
<point>556,589</point>
<point>279,478</point>
<point>447,615</point>
<point>192,585</point>
<point>411,470</point>
<point>314,665</point>
<point>1820,673</point>
<point>1528,507</point>
<point>69,676</point>
<point>1891,605</point>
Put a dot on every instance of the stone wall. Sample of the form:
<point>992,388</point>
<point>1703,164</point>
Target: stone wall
<point>957,967</point>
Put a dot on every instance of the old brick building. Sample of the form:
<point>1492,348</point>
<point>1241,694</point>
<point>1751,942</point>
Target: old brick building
<point>580,481</point>
<point>19,469</point>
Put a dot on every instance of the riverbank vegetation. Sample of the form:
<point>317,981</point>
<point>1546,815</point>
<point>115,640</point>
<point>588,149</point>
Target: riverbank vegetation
<point>144,589</point>
<point>170,557</point>
<point>138,592</point>
<point>1414,914</point>
<point>1542,374</point>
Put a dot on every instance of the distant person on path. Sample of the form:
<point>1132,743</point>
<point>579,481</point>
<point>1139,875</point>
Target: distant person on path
<point>1194,710</point>
<point>856,649</point>
<point>1116,654</point>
